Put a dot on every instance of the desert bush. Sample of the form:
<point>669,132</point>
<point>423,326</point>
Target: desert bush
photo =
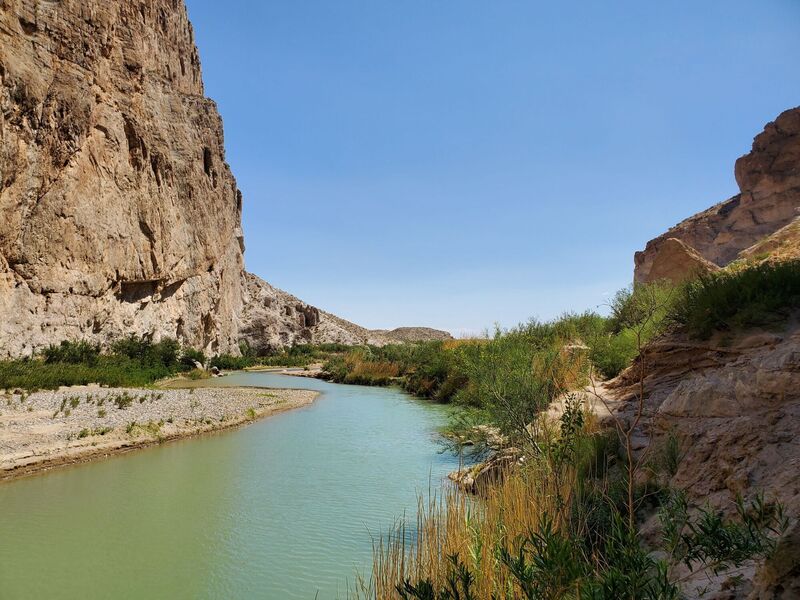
<point>189,358</point>
<point>734,299</point>
<point>72,353</point>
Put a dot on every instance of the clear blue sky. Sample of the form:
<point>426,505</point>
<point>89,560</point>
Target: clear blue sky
<point>456,163</point>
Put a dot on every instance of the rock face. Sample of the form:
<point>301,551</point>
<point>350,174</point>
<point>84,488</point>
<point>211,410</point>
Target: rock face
<point>118,212</point>
<point>734,406</point>
<point>274,319</point>
<point>733,402</point>
<point>769,180</point>
<point>676,262</point>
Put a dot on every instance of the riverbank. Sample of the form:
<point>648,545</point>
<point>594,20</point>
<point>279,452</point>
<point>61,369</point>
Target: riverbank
<point>48,429</point>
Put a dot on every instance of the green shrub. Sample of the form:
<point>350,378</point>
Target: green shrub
<point>109,370</point>
<point>611,354</point>
<point>72,353</point>
<point>228,362</point>
<point>198,374</point>
<point>735,299</point>
<point>189,358</point>
<point>164,353</point>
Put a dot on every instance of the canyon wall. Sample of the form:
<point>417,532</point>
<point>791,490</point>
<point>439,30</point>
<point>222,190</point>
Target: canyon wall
<point>769,180</point>
<point>732,402</point>
<point>118,212</point>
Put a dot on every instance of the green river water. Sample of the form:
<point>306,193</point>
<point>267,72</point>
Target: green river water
<point>284,508</point>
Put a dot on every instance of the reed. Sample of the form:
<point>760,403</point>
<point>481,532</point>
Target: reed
<point>454,528</point>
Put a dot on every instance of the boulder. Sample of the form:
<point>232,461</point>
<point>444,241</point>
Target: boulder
<point>676,262</point>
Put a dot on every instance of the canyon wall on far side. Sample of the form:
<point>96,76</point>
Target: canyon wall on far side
<point>118,212</point>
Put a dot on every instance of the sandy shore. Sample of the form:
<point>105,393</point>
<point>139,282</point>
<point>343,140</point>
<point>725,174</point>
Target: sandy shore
<point>53,428</point>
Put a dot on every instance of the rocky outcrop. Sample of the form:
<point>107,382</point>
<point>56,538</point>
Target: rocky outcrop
<point>676,262</point>
<point>734,406</point>
<point>769,180</point>
<point>784,244</point>
<point>118,212</point>
<point>477,479</point>
<point>274,319</point>
<point>733,401</point>
<point>403,335</point>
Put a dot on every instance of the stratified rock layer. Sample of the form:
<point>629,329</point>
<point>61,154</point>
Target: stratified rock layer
<point>733,404</point>
<point>769,180</point>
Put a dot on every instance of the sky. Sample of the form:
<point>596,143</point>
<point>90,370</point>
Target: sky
<point>461,163</point>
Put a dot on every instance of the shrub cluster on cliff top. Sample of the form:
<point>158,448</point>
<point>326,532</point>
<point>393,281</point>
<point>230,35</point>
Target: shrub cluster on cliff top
<point>755,296</point>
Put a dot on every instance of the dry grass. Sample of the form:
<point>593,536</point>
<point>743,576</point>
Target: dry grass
<point>782,245</point>
<point>453,344</point>
<point>454,523</point>
<point>374,370</point>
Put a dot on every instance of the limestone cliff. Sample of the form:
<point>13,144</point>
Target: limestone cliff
<point>118,212</point>
<point>769,180</point>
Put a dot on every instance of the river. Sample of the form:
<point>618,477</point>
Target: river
<point>282,509</point>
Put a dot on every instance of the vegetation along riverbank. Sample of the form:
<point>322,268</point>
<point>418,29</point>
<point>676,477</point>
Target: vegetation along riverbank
<point>575,500</point>
<point>577,506</point>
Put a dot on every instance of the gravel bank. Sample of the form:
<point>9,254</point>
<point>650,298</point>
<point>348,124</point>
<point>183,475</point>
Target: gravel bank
<point>52,428</point>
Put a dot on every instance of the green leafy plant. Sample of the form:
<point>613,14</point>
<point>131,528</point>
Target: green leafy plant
<point>739,298</point>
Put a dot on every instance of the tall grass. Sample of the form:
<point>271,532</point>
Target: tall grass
<point>453,524</point>
<point>556,529</point>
